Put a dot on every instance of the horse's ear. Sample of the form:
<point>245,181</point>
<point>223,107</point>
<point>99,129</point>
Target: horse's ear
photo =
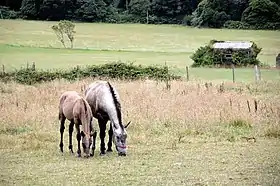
<point>127,124</point>
<point>82,133</point>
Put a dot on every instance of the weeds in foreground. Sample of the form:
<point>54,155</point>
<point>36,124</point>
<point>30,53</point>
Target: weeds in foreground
<point>273,132</point>
<point>160,115</point>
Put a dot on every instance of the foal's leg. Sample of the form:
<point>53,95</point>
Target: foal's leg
<point>71,128</point>
<point>102,134</point>
<point>78,139</point>
<point>93,140</point>
<point>110,133</point>
<point>62,121</point>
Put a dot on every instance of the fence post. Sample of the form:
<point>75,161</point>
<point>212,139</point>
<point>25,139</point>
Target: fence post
<point>257,73</point>
<point>33,66</point>
<point>168,86</point>
<point>233,73</point>
<point>187,70</point>
<point>3,68</point>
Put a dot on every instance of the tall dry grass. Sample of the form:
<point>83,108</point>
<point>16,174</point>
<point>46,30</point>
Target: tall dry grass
<point>29,114</point>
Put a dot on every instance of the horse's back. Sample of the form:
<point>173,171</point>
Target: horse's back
<point>99,96</point>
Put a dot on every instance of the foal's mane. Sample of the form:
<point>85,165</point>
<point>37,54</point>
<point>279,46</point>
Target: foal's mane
<point>117,104</point>
<point>86,114</point>
<point>85,106</point>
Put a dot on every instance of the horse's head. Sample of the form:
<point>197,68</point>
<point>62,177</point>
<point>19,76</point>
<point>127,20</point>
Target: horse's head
<point>120,140</point>
<point>86,142</point>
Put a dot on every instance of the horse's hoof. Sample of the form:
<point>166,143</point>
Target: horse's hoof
<point>122,154</point>
<point>79,155</point>
<point>109,150</point>
<point>102,154</point>
<point>91,154</point>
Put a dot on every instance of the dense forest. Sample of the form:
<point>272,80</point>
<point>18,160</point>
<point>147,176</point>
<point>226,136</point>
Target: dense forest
<point>239,14</point>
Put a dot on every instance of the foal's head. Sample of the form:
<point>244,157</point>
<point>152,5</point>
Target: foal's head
<point>86,142</point>
<point>87,136</point>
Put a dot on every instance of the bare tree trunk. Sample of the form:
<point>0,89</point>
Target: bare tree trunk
<point>62,41</point>
<point>71,44</point>
<point>147,16</point>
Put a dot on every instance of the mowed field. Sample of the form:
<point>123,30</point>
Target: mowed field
<point>21,42</point>
<point>192,134</point>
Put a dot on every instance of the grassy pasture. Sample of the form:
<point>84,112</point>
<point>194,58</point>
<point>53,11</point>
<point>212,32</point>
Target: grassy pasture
<point>21,42</point>
<point>188,135</point>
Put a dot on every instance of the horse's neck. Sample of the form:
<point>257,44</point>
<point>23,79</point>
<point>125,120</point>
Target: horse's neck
<point>115,121</point>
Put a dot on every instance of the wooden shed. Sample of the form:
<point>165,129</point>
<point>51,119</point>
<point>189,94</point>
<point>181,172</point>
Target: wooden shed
<point>228,47</point>
<point>278,61</point>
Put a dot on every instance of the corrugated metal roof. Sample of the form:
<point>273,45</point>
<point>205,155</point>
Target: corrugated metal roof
<point>233,44</point>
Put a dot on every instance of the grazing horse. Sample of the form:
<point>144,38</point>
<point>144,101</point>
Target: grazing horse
<point>77,110</point>
<point>105,105</point>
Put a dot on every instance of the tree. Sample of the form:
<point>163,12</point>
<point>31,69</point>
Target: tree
<point>214,13</point>
<point>30,8</point>
<point>67,28</point>
<point>12,4</point>
<point>261,13</point>
<point>140,8</point>
<point>92,10</point>
<point>52,10</point>
<point>236,8</point>
<point>171,11</point>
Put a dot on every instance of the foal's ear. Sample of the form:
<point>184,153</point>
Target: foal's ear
<point>82,133</point>
<point>127,124</point>
<point>93,133</point>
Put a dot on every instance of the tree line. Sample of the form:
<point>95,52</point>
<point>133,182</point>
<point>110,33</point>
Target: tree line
<point>239,14</point>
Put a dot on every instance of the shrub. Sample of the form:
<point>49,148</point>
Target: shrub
<point>207,56</point>
<point>111,70</point>
<point>236,25</point>
<point>187,20</point>
<point>6,13</point>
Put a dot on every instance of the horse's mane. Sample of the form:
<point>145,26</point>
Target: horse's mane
<point>117,104</point>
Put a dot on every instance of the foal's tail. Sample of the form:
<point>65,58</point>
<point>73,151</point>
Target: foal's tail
<point>60,113</point>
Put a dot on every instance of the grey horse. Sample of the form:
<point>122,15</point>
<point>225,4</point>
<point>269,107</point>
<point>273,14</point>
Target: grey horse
<point>105,104</point>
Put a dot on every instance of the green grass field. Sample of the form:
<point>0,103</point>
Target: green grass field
<point>188,135</point>
<point>21,42</point>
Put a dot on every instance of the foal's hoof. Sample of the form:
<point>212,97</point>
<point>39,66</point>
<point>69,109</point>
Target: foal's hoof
<point>79,155</point>
<point>91,154</point>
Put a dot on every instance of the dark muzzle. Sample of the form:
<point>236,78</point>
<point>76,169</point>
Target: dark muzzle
<point>122,154</point>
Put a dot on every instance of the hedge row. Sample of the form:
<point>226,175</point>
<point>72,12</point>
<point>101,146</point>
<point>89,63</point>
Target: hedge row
<point>111,70</point>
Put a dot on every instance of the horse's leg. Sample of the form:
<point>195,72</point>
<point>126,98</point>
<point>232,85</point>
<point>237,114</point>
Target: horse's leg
<point>78,139</point>
<point>110,133</point>
<point>102,134</point>
<point>71,128</point>
<point>62,121</point>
